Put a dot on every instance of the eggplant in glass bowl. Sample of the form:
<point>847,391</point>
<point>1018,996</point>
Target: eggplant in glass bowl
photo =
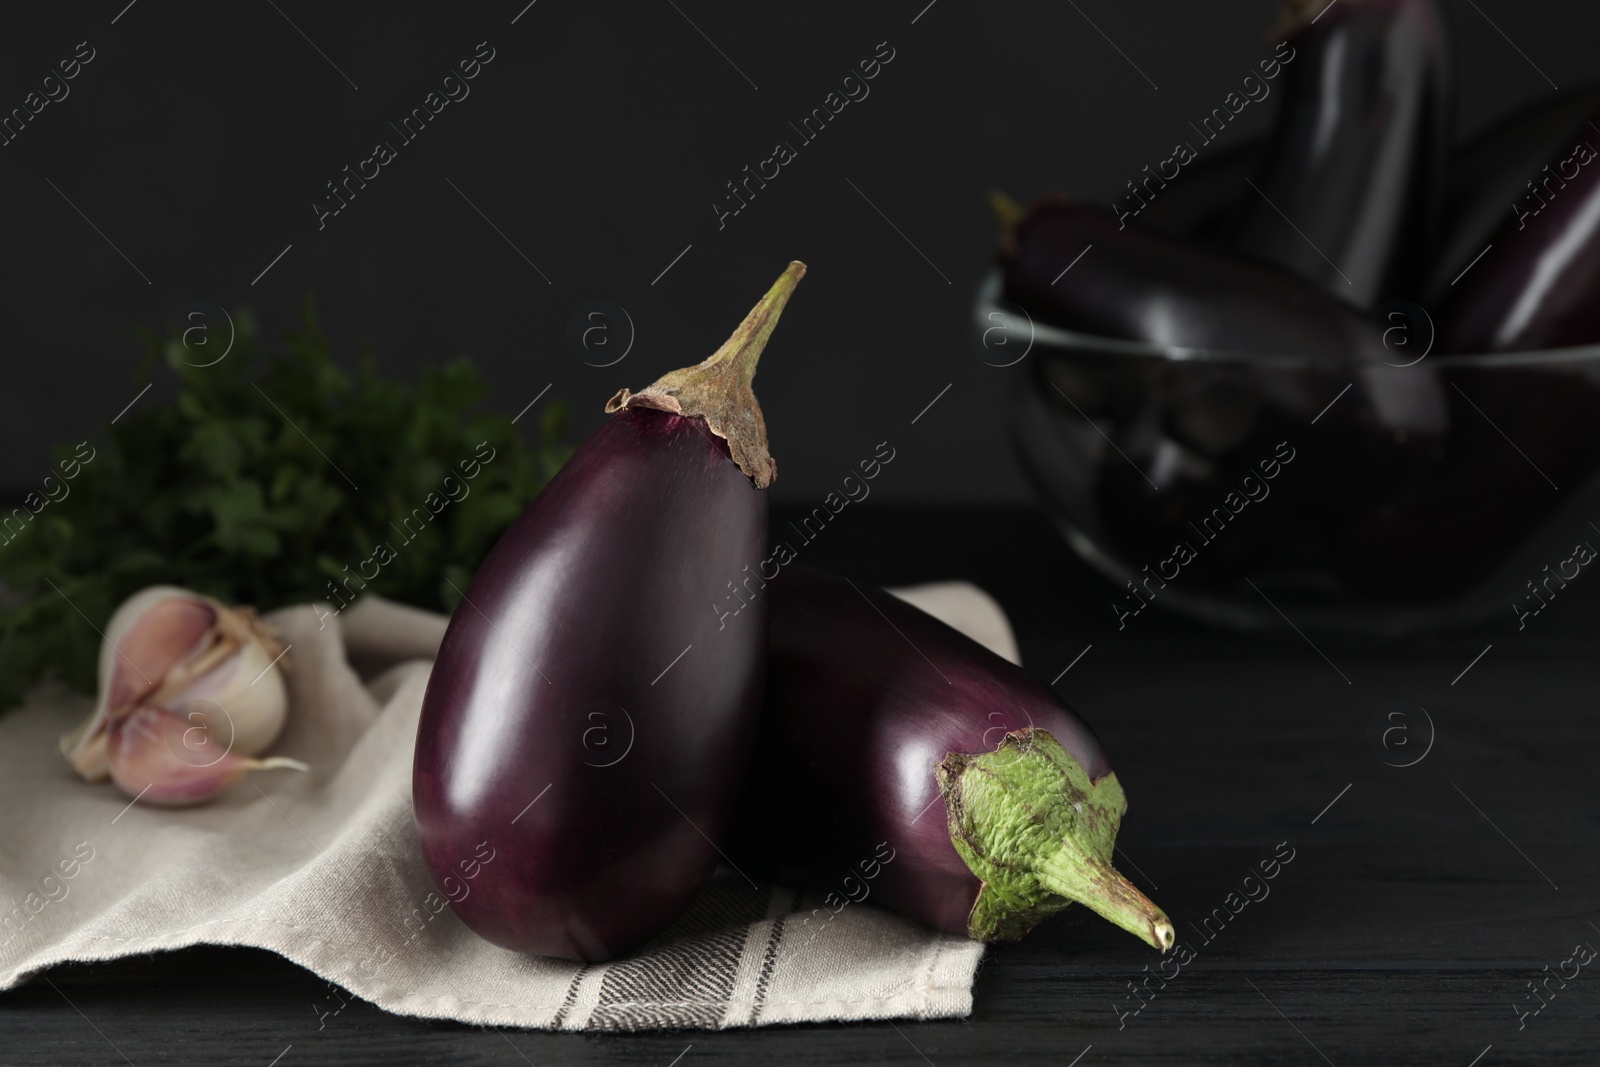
<point>1199,479</point>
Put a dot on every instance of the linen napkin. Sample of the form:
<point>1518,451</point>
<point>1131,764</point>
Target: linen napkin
<point>324,868</point>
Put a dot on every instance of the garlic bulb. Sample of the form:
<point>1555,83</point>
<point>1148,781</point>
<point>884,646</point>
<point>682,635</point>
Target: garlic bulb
<point>190,691</point>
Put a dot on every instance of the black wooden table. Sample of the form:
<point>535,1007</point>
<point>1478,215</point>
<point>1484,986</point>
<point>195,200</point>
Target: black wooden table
<point>1418,910</point>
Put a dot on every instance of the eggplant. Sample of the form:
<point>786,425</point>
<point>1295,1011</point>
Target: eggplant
<point>1348,194</point>
<point>1535,287</point>
<point>1487,497</point>
<point>1142,286</point>
<point>886,729</point>
<point>1104,495</point>
<point>1228,412</point>
<point>587,717</point>
<point>1206,201</point>
<point>1496,172</point>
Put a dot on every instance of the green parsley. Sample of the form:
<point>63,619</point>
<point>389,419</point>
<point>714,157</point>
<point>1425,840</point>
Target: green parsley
<point>244,489</point>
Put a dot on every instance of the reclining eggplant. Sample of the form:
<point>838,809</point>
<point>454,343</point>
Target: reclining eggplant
<point>1368,448</point>
<point>886,729</point>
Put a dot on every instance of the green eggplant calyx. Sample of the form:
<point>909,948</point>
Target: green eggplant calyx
<point>718,389</point>
<point>1296,15</point>
<point>1007,212</point>
<point>1038,833</point>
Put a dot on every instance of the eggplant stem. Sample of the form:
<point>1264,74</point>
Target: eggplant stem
<point>1102,888</point>
<point>718,389</point>
<point>1296,15</point>
<point>1039,834</point>
<point>1007,212</point>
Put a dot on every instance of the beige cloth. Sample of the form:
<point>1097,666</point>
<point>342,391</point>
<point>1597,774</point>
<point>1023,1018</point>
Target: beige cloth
<point>324,868</point>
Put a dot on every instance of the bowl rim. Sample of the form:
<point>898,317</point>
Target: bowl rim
<point>988,300</point>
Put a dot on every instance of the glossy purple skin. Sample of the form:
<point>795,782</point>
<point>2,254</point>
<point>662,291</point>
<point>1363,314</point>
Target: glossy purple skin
<point>1205,202</point>
<point>857,717</point>
<point>553,689</point>
<point>1357,158</point>
<point>1536,287</point>
<point>1491,173</point>
<point>1143,286</point>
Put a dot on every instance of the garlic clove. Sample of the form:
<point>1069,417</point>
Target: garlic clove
<point>152,630</point>
<point>168,647</point>
<point>163,757</point>
<point>171,630</point>
<point>251,698</point>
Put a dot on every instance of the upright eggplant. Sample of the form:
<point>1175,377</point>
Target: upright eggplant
<point>885,729</point>
<point>587,717</point>
<point>1500,174</point>
<point>1535,288</point>
<point>1348,194</point>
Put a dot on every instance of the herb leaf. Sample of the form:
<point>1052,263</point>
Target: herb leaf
<point>245,488</point>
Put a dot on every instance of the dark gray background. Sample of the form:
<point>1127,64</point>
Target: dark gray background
<point>596,141</point>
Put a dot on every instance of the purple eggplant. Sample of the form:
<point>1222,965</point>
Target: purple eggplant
<point>1535,288</point>
<point>973,799</point>
<point>1494,176</point>
<point>587,717</point>
<point>1205,201</point>
<point>1141,286</point>
<point>1348,194</point>
<point>1487,496</point>
<point>1228,412</point>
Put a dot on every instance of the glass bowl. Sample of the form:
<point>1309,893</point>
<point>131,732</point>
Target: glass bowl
<point>1209,483</point>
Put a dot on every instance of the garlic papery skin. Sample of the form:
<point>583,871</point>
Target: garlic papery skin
<point>215,668</point>
<point>152,630</point>
<point>161,757</point>
<point>239,675</point>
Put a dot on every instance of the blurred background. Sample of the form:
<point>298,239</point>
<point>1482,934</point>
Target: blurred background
<point>584,165</point>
